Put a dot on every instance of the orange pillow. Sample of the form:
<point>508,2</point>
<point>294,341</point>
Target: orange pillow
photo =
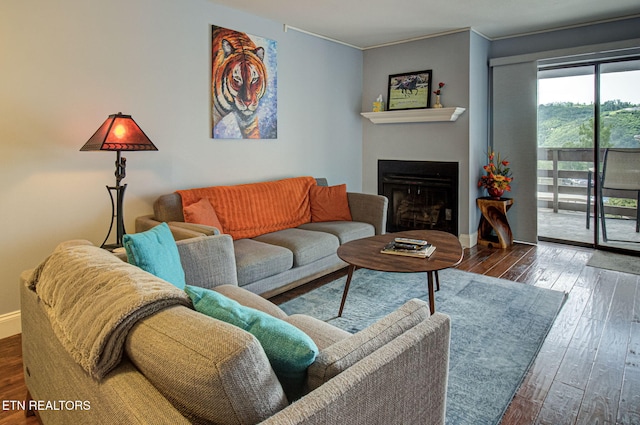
<point>329,203</point>
<point>202,212</point>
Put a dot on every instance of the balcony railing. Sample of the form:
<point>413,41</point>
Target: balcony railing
<point>562,182</point>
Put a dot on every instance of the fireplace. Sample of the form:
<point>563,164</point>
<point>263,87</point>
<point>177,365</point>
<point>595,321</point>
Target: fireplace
<point>422,194</point>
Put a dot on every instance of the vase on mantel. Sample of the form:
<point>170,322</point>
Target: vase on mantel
<point>437,104</point>
<point>495,193</point>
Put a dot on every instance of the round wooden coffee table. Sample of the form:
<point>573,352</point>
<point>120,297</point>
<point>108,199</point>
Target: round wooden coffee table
<point>366,253</point>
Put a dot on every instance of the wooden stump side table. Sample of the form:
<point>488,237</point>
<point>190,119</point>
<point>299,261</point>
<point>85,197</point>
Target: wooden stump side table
<point>494,218</point>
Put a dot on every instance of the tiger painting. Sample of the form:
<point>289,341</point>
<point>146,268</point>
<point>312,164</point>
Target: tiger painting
<point>239,79</point>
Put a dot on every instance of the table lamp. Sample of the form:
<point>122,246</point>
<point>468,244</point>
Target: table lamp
<point>118,133</point>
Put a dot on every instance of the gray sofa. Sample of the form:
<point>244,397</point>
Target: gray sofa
<point>181,367</point>
<point>275,262</point>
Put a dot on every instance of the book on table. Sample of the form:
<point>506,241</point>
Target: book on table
<point>409,248</point>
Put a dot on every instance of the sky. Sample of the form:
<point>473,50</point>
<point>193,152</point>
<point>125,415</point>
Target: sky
<point>624,86</point>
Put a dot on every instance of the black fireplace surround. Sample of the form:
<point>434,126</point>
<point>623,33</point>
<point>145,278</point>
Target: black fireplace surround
<point>422,194</point>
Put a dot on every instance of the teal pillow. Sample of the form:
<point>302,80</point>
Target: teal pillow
<point>289,350</point>
<point>155,251</point>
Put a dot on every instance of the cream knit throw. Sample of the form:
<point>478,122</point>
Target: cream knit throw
<point>93,299</point>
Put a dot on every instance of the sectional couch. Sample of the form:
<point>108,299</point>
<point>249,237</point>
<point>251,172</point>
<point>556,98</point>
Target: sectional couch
<point>285,232</point>
<point>170,364</point>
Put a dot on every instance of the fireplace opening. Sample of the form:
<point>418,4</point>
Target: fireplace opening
<point>422,194</point>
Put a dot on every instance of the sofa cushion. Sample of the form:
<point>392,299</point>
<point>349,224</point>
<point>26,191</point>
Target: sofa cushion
<point>307,246</point>
<point>345,230</point>
<point>329,203</point>
<point>202,212</point>
<point>289,350</point>
<point>155,251</point>
<point>249,210</point>
<point>346,352</point>
<point>211,371</point>
<point>208,261</point>
<point>168,208</point>
<point>257,260</point>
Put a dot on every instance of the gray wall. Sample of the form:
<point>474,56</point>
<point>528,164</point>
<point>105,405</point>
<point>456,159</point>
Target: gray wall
<point>514,136</point>
<point>68,64</point>
<point>465,74</point>
<point>478,122</point>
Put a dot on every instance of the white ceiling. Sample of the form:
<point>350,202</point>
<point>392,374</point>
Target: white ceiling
<point>368,23</point>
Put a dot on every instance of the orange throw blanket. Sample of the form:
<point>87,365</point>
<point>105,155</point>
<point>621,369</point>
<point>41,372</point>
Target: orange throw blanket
<point>250,210</point>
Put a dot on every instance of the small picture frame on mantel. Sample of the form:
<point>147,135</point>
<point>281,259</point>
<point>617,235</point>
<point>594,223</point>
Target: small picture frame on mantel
<point>411,90</point>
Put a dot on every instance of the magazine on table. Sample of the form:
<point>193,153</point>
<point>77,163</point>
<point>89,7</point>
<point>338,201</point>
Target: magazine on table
<point>409,248</point>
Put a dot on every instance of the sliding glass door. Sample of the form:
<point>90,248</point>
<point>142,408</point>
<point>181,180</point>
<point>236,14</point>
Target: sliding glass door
<point>588,112</point>
<point>619,155</point>
<point>566,115</point>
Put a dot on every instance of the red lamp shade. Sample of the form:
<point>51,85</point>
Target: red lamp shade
<point>119,133</point>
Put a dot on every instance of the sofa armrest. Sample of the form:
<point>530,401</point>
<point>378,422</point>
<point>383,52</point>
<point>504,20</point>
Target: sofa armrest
<point>198,228</point>
<point>208,261</point>
<point>346,352</point>
<point>145,222</point>
<point>179,230</point>
<point>403,382</point>
<point>368,208</point>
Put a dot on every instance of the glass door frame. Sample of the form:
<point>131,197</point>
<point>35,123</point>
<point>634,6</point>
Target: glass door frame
<point>598,160</point>
<point>596,239</point>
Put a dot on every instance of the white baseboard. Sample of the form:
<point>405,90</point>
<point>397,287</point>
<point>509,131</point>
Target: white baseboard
<point>10,324</point>
<point>468,240</point>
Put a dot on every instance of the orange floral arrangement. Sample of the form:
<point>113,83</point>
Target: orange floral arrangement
<point>498,174</point>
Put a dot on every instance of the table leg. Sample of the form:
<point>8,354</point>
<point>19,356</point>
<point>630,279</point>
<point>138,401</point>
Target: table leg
<point>346,289</point>
<point>432,295</point>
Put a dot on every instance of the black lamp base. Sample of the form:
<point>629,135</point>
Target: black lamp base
<point>117,216</point>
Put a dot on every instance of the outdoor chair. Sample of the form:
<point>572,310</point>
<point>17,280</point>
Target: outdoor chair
<point>620,171</point>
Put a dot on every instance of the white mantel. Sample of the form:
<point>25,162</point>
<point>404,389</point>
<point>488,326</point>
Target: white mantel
<point>414,115</point>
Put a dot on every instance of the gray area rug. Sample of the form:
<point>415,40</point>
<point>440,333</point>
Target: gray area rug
<point>616,262</point>
<point>497,328</point>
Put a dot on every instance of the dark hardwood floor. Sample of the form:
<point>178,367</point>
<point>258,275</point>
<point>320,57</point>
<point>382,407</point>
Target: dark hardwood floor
<point>587,371</point>
<point>12,386</point>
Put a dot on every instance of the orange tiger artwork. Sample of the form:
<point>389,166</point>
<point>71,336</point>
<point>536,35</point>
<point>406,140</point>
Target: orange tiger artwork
<point>239,79</point>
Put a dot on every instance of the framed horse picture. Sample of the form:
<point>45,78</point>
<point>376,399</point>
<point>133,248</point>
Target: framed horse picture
<point>411,90</point>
